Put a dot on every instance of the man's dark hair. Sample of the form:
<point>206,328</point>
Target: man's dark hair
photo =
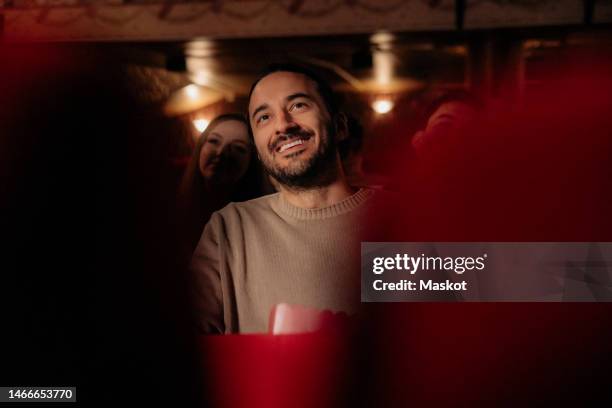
<point>354,140</point>
<point>325,90</point>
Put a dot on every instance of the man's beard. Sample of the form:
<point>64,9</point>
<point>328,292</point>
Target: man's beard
<point>318,171</point>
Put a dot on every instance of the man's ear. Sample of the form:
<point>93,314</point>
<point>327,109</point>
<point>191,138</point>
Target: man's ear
<point>341,127</point>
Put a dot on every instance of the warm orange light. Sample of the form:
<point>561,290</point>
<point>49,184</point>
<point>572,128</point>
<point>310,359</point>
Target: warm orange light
<point>201,124</point>
<point>192,91</point>
<point>382,106</point>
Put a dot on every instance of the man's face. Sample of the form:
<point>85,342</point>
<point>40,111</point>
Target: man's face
<point>292,129</point>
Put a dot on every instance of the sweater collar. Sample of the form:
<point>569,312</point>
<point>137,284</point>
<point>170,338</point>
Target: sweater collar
<point>347,205</point>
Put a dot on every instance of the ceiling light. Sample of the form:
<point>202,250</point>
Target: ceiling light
<point>192,91</point>
<point>382,106</point>
<point>201,124</point>
<point>382,39</point>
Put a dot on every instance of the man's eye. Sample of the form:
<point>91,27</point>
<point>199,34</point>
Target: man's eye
<point>263,118</point>
<point>213,141</point>
<point>299,106</point>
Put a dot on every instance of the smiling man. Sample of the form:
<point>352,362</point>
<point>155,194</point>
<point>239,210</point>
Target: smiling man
<point>298,246</point>
<point>293,128</point>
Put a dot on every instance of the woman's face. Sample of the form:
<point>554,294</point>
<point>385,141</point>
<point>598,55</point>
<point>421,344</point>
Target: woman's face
<point>226,153</point>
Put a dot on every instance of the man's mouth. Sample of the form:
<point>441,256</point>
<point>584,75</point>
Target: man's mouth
<point>287,146</point>
<point>292,143</point>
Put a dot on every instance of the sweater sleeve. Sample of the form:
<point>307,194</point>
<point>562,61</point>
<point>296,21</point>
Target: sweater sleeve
<point>206,267</point>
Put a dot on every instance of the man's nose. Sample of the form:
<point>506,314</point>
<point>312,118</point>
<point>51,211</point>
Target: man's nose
<point>284,122</point>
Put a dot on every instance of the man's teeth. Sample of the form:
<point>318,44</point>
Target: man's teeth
<point>290,145</point>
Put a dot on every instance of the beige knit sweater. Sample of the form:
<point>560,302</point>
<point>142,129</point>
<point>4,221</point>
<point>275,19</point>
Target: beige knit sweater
<point>259,253</point>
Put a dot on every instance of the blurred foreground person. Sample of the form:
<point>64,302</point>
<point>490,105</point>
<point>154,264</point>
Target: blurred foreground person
<point>223,168</point>
<point>540,172</point>
<point>92,288</point>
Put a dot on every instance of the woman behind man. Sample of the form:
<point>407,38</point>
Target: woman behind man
<point>223,168</point>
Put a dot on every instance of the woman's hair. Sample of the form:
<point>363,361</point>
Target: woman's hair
<point>192,188</point>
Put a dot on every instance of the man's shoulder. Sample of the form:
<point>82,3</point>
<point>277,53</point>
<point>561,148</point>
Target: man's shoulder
<point>378,195</point>
<point>382,194</point>
<point>257,206</point>
<point>383,202</point>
